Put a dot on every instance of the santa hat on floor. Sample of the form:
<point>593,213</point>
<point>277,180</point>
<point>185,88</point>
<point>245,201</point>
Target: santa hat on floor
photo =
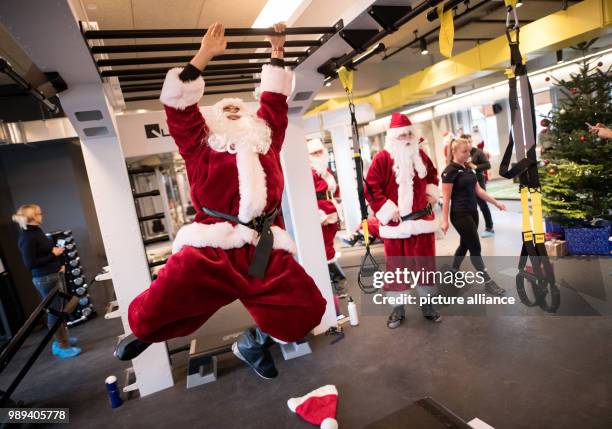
<point>315,145</point>
<point>400,124</point>
<point>317,407</point>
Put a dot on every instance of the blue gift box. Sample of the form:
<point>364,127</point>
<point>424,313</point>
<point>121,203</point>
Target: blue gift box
<point>553,227</point>
<point>588,241</point>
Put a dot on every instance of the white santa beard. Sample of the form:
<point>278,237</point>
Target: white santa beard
<point>319,163</point>
<point>406,159</point>
<point>227,135</point>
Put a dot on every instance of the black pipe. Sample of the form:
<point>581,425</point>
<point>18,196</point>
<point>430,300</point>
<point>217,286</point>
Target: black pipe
<point>432,15</point>
<point>160,77</point>
<point>347,58</point>
<point>155,97</point>
<point>158,87</point>
<point>236,67</point>
<point>467,11</point>
<point>115,49</point>
<point>139,34</point>
<point>185,59</point>
<point>6,68</point>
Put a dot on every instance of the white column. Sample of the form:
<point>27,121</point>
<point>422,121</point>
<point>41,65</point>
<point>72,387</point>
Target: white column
<point>347,180</point>
<point>301,215</point>
<point>49,33</point>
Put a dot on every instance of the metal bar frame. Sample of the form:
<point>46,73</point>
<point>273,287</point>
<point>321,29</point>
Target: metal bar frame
<point>199,32</point>
<point>165,47</point>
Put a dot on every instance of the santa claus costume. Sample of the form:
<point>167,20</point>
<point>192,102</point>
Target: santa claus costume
<point>327,191</point>
<point>399,184</point>
<point>233,167</point>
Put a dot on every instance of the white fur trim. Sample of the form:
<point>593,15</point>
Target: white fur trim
<point>331,181</point>
<point>251,184</point>
<point>276,79</point>
<point>385,213</point>
<point>178,94</point>
<point>326,219</point>
<point>396,132</point>
<point>329,423</point>
<point>337,256</point>
<point>224,235</point>
<point>432,190</point>
<point>329,389</point>
<point>315,145</point>
<point>409,228</point>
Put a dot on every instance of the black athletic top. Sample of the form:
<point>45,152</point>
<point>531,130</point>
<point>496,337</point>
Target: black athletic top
<point>464,180</point>
<point>36,252</point>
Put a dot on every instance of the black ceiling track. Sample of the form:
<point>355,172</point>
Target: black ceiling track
<point>357,39</point>
<point>229,73</point>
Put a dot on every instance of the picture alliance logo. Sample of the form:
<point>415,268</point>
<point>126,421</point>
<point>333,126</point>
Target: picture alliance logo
<point>154,131</point>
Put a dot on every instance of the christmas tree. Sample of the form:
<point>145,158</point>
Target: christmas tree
<point>576,171</point>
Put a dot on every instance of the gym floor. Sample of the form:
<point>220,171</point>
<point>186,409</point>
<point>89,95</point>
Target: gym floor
<point>511,372</point>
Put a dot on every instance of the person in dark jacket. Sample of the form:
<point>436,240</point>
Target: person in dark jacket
<point>43,259</point>
<point>479,162</point>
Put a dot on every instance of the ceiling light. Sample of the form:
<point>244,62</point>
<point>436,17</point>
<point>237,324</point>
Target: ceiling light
<point>559,56</point>
<point>423,46</point>
<point>519,3</point>
<point>276,11</point>
<point>328,83</point>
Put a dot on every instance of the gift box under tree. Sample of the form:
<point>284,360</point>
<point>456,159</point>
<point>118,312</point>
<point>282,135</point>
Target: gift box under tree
<point>588,241</point>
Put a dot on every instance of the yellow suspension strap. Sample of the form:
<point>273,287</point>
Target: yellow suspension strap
<point>368,264</point>
<point>523,138</point>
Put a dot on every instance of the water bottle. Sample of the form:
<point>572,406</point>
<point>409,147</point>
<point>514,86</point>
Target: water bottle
<point>352,310</point>
<point>113,391</point>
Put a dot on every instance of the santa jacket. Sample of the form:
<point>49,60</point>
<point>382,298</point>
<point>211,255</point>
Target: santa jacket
<point>326,183</point>
<point>381,191</point>
<point>243,184</point>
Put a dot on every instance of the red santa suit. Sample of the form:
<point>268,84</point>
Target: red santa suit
<point>327,190</point>
<point>234,171</point>
<point>390,189</point>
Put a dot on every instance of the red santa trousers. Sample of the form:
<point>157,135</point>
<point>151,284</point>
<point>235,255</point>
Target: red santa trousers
<point>196,282</point>
<point>414,253</point>
<point>329,234</point>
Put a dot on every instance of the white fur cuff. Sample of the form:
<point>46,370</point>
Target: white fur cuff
<point>178,94</point>
<point>276,79</point>
<point>432,190</point>
<point>385,213</point>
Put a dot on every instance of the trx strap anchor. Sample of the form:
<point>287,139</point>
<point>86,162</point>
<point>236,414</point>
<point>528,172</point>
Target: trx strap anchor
<point>522,138</point>
<point>368,264</point>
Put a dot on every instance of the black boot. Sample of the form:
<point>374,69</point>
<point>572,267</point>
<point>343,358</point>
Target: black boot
<point>130,347</point>
<point>430,313</point>
<point>252,348</point>
<point>352,240</point>
<point>335,272</point>
<point>396,317</point>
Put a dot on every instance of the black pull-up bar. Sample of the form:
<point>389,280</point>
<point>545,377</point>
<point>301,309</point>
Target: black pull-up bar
<point>163,47</point>
<point>184,59</point>
<point>142,34</point>
<point>225,68</point>
<point>156,97</point>
<point>158,86</point>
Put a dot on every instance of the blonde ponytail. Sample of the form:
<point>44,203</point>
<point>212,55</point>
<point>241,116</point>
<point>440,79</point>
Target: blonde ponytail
<point>25,215</point>
<point>452,147</point>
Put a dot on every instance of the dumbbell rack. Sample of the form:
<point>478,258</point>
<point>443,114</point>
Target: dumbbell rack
<point>76,284</point>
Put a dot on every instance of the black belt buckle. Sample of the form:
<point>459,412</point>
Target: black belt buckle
<point>257,223</point>
<point>428,210</point>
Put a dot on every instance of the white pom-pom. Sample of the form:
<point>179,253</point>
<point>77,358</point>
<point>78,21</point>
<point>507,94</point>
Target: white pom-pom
<point>111,379</point>
<point>329,424</point>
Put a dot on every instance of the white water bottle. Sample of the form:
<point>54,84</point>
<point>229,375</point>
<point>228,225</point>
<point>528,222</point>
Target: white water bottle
<point>352,311</point>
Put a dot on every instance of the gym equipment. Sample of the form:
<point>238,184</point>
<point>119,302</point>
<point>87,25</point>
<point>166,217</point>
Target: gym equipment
<point>17,341</point>
<point>540,274</point>
<point>204,352</point>
<point>365,277</point>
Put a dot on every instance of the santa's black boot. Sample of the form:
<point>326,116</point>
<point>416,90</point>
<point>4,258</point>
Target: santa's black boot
<point>335,272</point>
<point>252,348</point>
<point>130,347</point>
<point>430,313</point>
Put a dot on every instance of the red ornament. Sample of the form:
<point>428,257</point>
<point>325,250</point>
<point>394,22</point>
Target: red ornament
<point>574,90</point>
<point>552,171</point>
<point>582,138</point>
<point>546,162</point>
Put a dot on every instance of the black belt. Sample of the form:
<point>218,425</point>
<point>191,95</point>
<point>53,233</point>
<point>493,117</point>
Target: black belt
<point>262,225</point>
<point>418,214</point>
<point>324,195</point>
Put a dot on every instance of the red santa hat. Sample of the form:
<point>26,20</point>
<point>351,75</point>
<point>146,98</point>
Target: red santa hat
<point>317,407</point>
<point>315,145</point>
<point>400,124</point>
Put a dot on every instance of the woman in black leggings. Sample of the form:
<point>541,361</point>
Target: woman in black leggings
<point>460,190</point>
